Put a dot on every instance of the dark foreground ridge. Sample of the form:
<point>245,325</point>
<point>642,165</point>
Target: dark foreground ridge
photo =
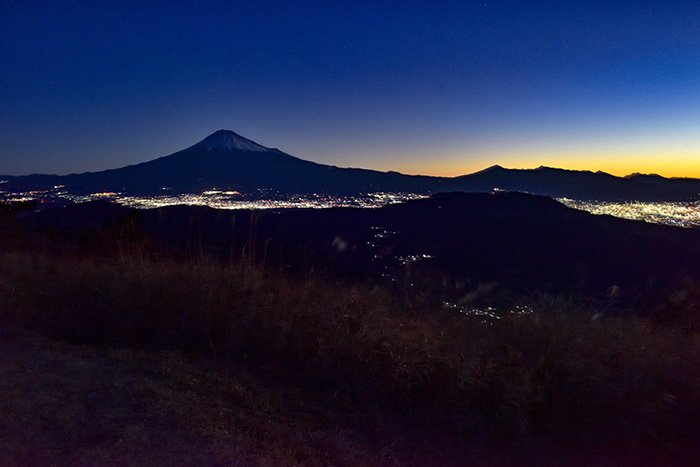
<point>458,329</point>
<point>228,161</point>
<point>447,245</point>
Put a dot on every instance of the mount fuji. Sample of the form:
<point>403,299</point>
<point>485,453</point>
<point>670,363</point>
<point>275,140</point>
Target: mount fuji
<point>228,161</point>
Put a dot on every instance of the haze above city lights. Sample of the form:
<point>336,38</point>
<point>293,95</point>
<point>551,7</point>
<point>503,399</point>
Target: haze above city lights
<point>609,86</point>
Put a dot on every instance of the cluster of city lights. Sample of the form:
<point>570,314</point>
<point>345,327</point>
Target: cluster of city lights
<point>413,258</point>
<point>233,200</point>
<point>218,199</point>
<point>679,214</point>
<point>25,196</point>
<point>488,314</point>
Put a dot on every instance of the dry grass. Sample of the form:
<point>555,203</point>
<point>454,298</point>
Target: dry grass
<point>558,371</point>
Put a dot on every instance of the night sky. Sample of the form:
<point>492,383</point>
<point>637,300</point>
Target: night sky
<point>408,86</point>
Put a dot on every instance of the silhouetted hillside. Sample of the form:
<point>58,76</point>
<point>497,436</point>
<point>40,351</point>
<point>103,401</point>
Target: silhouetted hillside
<point>225,160</point>
<point>679,183</point>
<point>375,323</point>
<point>450,244</point>
<point>573,184</point>
<point>228,161</point>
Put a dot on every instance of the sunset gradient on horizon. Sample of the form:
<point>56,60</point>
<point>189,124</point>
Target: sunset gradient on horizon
<point>410,86</point>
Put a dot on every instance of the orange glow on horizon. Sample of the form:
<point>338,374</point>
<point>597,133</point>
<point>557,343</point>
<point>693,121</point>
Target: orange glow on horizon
<point>666,166</point>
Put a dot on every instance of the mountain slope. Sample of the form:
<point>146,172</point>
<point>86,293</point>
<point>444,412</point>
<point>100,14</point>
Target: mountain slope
<point>228,161</point>
<point>679,183</point>
<point>571,184</point>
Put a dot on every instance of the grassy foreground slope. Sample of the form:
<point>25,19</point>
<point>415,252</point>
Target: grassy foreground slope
<point>356,361</point>
<point>67,404</point>
<point>132,356</point>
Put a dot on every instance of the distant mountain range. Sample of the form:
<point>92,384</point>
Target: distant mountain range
<point>227,161</point>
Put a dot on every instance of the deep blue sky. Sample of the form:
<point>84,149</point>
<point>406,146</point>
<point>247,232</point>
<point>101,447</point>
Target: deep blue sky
<point>429,87</point>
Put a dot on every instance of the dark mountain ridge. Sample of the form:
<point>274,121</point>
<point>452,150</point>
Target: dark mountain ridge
<point>573,184</point>
<point>679,183</point>
<point>447,245</point>
<point>228,161</point>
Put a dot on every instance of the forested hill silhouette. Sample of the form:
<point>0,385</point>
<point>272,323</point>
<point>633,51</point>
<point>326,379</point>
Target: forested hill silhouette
<point>448,244</point>
<point>577,184</point>
<point>228,161</point>
<point>691,185</point>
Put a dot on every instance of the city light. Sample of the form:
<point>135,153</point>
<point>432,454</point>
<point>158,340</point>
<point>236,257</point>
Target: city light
<point>679,214</point>
<point>218,199</point>
<point>685,214</point>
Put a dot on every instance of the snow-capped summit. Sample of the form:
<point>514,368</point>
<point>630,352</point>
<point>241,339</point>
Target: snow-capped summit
<point>230,162</point>
<point>229,140</point>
